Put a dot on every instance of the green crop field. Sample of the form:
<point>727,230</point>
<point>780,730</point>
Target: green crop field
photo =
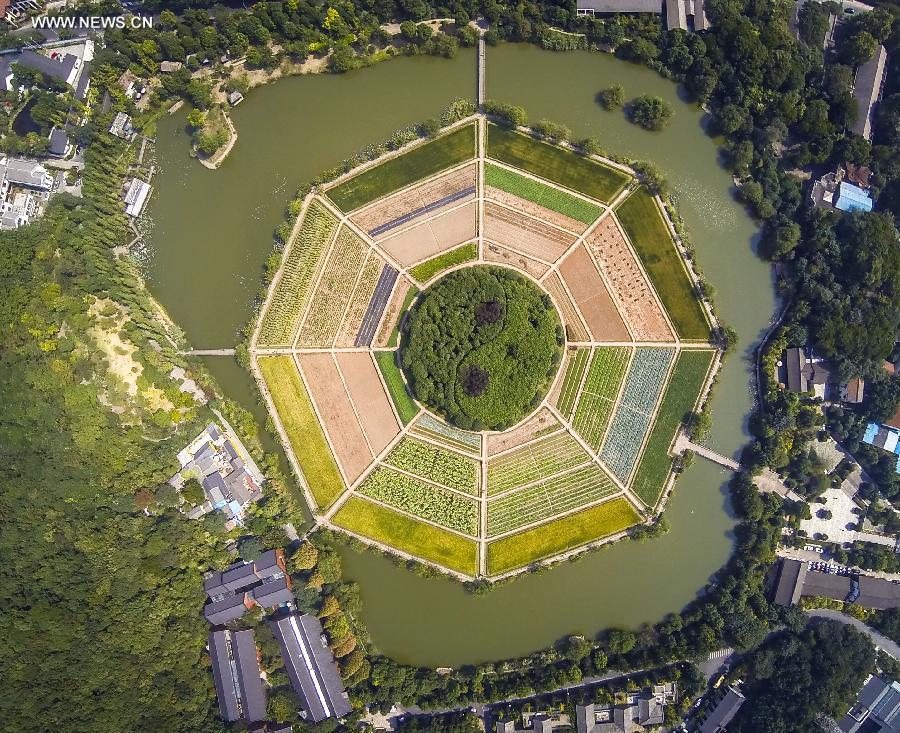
<point>407,535</point>
<point>406,406</point>
<point>447,508</point>
<point>545,499</point>
<point>534,461</point>
<point>688,377</point>
<point>430,427</point>
<point>650,236</point>
<point>572,381</point>
<point>547,196</point>
<point>302,427</point>
<point>428,269</point>
<point>436,464</point>
<point>520,550</point>
<point>598,396</point>
<point>555,164</point>
<point>420,162</point>
<point>395,332</point>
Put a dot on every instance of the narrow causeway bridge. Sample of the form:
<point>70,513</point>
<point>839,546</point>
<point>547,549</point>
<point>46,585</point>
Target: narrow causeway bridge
<point>210,352</point>
<point>683,443</point>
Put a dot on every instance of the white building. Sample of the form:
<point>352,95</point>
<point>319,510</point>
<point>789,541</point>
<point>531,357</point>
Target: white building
<point>136,196</point>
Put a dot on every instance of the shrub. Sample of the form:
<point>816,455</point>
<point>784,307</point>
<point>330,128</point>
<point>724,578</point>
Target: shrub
<point>651,113</point>
<point>612,97</point>
<point>508,114</point>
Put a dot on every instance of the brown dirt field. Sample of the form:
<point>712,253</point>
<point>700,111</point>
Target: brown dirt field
<point>630,289</point>
<point>432,237</point>
<point>592,298</point>
<point>405,202</point>
<point>334,406</point>
<point>367,393</point>
<point>529,236</point>
<point>575,330</point>
<point>392,311</point>
<point>496,253</point>
<point>539,424</point>
<point>535,210</point>
<point>359,303</point>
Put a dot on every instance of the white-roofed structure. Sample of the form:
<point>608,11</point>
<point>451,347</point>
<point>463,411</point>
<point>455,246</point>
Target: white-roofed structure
<point>136,196</point>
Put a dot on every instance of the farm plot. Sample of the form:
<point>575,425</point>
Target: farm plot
<point>432,237</point>
<point>406,406</point>
<point>650,236</point>
<point>531,237</point>
<point>412,204</point>
<point>419,162</point>
<point>288,301</point>
<point>598,397</point>
<point>436,464</point>
<point>570,532</point>
<point>632,418</point>
<point>404,533</point>
<point>371,403</point>
<point>360,300</point>
<point>430,427</point>
<point>688,377</point>
<point>338,279</point>
<point>542,423</point>
<point>561,166</point>
<point>546,499</point>
<point>629,288</point>
<point>505,256</point>
<point>375,309</point>
<point>576,364</point>
<point>539,199</point>
<point>575,329</point>
<point>428,269</point>
<point>430,502</point>
<point>592,297</point>
<point>301,425</point>
<point>534,461</point>
<point>401,297</point>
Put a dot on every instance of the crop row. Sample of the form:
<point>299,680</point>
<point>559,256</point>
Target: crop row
<point>291,294</point>
<point>435,464</point>
<point>551,198</point>
<point>535,461</point>
<point>433,428</point>
<point>338,279</point>
<point>608,365</point>
<point>623,443</point>
<point>362,296</point>
<point>548,498</point>
<point>645,378</point>
<point>574,373</point>
<point>437,505</point>
<point>424,271</point>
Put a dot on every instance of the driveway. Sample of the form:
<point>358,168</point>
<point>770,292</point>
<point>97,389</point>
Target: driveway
<point>879,640</point>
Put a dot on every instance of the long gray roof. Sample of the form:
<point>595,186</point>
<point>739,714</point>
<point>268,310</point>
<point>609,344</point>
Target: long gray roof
<point>240,575</point>
<point>621,6</point>
<point>724,712</point>
<point>273,593</point>
<point>50,67</point>
<point>253,699</point>
<point>311,667</point>
<point>228,609</point>
<point>221,669</point>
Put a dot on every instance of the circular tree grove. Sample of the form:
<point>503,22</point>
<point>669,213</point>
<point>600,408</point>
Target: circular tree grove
<point>482,347</point>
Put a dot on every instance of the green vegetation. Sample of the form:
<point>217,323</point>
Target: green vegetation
<point>571,383</point>
<point>598,396</point>
<point>407,301</point>
<point>483,345</point>
<point>436,464</point>
<point>420,162</point>
<point>424,271</point>
<point>611,98</point>
<point>407,535</point>
<point>577,529</point>
<point>688,377</point>
<point>406,406</point>
<point>648,233</point>
<point>447,508</point>
<point>548,498</point>
<point>534,461</point>
<point>651,113</point>
<point>430,427</point>
<point>547,196</point>
<point>291,294</point>
<point>555,164</point>
<point>307,440</point>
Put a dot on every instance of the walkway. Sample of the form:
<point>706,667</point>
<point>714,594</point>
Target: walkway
<point>879,640</point>
<point>211,352</point>
<point>481,71</point>
<point>683,443</point>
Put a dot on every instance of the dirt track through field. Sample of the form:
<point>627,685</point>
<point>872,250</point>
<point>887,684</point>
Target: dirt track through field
<point>592,298</point>
<point>376,307</point>
<point>434,236</point>
<point>496,253</point>
<point>575,330</point>
<point>528,236</point>
<point>392,312</point>
<point>540,424</point>
<point>368,396</point>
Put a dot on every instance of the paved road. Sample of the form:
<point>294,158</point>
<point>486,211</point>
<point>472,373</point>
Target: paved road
<point>881,641</point>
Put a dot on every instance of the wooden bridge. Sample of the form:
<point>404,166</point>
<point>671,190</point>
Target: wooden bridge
<point>210,352</point>
<point>683,443</point>
<point>481,71</point>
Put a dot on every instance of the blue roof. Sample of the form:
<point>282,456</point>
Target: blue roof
<point>871,432</point>
<point>852,198</point>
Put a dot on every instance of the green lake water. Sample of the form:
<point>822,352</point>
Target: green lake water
<point>212,233</point>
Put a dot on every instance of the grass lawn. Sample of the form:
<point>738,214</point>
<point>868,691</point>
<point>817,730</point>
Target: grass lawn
<point>407,301</point>
<point>428,269</point>
<point>555,164</point>
<point>649,234</point>
<point>577,529</point>
<point>687,380</point>
<point>547,196</point>
<point>420,162</point>
<point>406,406</point>
<point>417,538</point>
<point>302,427</point>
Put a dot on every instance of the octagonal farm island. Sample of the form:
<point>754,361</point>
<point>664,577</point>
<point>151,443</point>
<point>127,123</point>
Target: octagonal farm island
<point>478,351</point>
